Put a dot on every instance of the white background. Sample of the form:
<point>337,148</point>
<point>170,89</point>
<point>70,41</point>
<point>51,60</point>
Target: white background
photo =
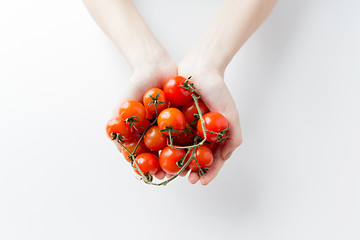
<point>297,86</point>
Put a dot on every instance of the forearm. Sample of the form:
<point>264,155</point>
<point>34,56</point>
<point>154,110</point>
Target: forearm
<point>235,23</point>
<point>120,20</point>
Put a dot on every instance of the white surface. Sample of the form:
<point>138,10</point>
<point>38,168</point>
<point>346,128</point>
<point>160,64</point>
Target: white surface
<point>297,86</point>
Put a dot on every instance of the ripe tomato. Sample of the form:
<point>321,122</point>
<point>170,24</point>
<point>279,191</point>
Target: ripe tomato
<point>148,163</point>
<point>214,122</point>
<point>175,93</point>
<point>190,109</point>
<point>173,117</point>
<point>130,109</point>
<point>115,125</point>
<point>204,156</point>
<point>131,146</point>
<point>142,126</point>
<point>168,158</point>
<point>154,139</point>
<point>150,96</point>
<point>185,138</point>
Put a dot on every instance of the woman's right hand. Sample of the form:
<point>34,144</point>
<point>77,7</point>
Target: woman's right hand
<point>148,75</point>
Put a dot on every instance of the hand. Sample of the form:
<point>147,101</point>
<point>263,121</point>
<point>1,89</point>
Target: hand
<point>146,76</point>
<point>216,95</point>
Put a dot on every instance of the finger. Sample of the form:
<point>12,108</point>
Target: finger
<point>234,139</point>
<point>183,173</point>
<point>214,168</point>
<point>193,177</point>
<point>168,175</point>
<point>160,174</point>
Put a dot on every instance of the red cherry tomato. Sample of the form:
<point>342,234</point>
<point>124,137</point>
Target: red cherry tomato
<point>175,93</point>
<point>168,158</point>
<point>203,155</point>
<point>150,95</point>
<point>214,122</point>
<point>131,146</point>
<point>190,109</point>
<point>115,125</point>
<point>130,109</point>
<point>154,139</point>
<point>186,138</point>
<point>148,163</point>
<point>173,117</point>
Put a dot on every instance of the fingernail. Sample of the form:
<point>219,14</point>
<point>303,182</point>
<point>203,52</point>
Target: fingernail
<point>228,155</point>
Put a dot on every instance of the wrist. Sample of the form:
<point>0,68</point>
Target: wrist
<point>150,54</point>
<point>158,63</point>
<point>205,60</point>
<point>199,64</point>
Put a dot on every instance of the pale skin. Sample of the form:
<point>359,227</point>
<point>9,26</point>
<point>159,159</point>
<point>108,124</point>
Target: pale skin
<point>205,62</point>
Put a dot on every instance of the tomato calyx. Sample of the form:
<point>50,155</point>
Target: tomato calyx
<point>117,137</point>
<point>147,177</point>
<point>131,121</point>
<point>196,119</point>
<point>220,135</point>
<point>155,101</point>
<point>170,129</point>
<point>180,163</point>
<point>202,171</point>
<point>189,86</point>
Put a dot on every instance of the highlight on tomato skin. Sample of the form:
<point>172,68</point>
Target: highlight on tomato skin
<point>115,125</point>
<point>171,117</point>
<point>175,93</point>
<point>149,102</point>
<point>190,109</point>
<point>147,162</point>
<point>132,109</point>
<point>168,158</point>
<point>214,122</point>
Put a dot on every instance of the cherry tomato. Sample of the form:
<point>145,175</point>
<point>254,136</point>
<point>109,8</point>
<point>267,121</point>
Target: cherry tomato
<point>154,139</point>
<point>185,138</point>
<point>214,122</point>
<point>115,125</point>
<point>204,156</point>
<point>173,117</point>
<point>148,163</point>
<point>190,109</point>
<point>131,146</point>
<point>175,93</point>
<point>149,97</point>
<point>168,158</point>
<point>130,109</point>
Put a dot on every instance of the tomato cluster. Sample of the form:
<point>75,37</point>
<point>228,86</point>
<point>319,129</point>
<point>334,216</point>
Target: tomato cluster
<point>171,130</point>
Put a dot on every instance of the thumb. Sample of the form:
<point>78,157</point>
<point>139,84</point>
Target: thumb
<point>233,141</point>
